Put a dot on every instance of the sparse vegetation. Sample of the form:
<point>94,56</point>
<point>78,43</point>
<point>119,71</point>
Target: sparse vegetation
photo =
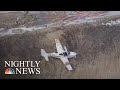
<point>98,51</point>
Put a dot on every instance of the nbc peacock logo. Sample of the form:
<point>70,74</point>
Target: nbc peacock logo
<point>9,71</point>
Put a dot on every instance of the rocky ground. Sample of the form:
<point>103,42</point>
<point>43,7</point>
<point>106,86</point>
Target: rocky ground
<point>97,45</point>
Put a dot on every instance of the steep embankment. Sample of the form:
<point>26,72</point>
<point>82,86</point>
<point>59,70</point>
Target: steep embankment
<point>98,49</point>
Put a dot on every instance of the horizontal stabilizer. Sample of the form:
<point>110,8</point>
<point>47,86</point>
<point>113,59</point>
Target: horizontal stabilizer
<point>44,54</point>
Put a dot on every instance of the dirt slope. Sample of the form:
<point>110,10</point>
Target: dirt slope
<point>98,49</point>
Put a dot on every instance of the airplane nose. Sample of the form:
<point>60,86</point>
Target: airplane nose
<point>75,53</point>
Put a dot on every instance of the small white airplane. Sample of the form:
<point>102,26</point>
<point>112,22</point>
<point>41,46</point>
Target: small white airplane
<point>61,53</point>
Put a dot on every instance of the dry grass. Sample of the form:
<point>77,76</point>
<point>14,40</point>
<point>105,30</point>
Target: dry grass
<point>98,49</point>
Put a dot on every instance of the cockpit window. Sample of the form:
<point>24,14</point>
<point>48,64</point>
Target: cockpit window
<point>61,54</point>
<point>64,53</point>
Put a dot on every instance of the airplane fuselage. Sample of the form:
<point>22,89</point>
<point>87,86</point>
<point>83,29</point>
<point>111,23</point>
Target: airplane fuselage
<point>62,53</point>
<point>57,55</point>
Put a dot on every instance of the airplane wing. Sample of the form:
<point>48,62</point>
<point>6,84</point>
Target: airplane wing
<point>66,62</point>
<point>59,46</point>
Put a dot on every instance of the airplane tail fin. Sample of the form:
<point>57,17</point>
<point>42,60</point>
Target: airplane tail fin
<point>44,54</point>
